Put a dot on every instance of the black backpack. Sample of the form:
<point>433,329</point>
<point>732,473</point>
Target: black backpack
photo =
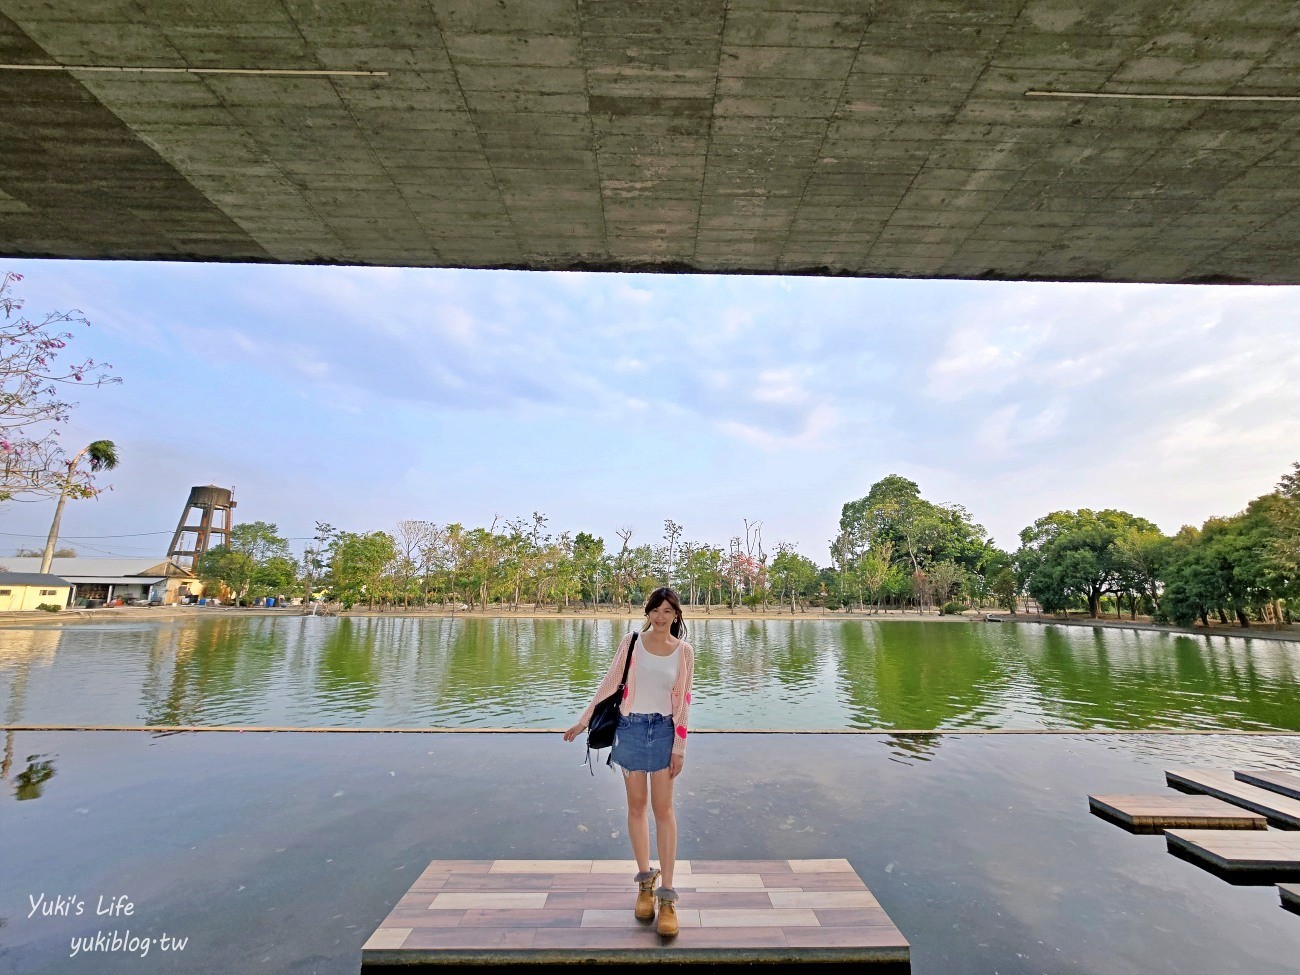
<point>604,717</point>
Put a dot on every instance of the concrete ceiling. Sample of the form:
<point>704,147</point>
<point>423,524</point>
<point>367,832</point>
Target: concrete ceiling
<point>772,136</point>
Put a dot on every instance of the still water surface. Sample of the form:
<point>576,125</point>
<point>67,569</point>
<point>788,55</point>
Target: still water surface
<point>537,673</point>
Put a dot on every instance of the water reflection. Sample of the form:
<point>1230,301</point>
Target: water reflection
<point>537,673</point>
<point>29,782</point>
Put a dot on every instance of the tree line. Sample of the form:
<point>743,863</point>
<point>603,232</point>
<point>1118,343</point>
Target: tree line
<point>894,550</point>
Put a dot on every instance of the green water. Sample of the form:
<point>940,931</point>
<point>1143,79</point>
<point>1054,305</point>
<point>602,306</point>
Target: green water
<point>538,673</point>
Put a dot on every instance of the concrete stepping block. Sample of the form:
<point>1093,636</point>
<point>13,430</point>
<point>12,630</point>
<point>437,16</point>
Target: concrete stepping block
<point>1279,809</point>
<point>1155,813</point>
<point>1239,851</point>
<point>553,912</point>
<point>1283,783</point>
<point>1290,896</point>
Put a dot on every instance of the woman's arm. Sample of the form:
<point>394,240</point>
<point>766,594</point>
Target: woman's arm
<point>609,684</point>
<point>682,709</point>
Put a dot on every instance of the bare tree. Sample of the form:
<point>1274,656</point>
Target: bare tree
<point>672,532</point>
<point>621,579</point>
<point>411,540</point>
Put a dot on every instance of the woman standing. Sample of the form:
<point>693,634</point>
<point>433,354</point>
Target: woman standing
<point>650,743</point>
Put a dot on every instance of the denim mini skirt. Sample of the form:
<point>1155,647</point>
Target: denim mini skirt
<point>643,742</point>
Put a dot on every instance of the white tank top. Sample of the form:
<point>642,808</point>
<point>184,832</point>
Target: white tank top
<point>655,677</point>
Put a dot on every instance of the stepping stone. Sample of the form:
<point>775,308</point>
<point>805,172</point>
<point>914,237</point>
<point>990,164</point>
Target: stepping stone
<point>1281,810</point>
<point>1290,896</point>
<point>1152,814</point>
<point>1239,851</point>
<point>750,912</point>
<point>1284,783</point>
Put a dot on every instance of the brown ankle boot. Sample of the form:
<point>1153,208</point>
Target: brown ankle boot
<point>645,897</point>
<point>667,898</point>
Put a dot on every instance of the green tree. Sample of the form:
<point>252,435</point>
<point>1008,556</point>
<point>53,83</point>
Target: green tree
<point>1071,555</point>
<point>918,533</point>
<point>946,580</point>
<point>358,564</point>
<point>1140,559</point>
<point>273,570</point>
<point>222,566</point>
<point>1005,588</point>
<point>793,574</point>
<point>588,556</point>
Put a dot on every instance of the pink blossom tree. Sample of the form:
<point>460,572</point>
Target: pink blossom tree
<point>33,395</point>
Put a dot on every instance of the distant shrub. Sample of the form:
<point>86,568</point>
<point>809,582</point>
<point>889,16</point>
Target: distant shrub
<point>49,607</point>
<point>951,609</point>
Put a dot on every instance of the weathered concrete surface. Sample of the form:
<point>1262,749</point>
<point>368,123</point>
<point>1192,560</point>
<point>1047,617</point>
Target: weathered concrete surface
<point>795,136</point>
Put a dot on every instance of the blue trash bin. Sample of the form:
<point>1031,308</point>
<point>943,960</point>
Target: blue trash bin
<point>270,600</point>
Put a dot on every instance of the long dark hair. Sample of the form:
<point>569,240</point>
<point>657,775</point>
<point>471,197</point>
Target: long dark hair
<point>666,594</point>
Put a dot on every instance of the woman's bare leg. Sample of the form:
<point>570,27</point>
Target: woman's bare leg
<point>638,822</point>
<point>661,799</point>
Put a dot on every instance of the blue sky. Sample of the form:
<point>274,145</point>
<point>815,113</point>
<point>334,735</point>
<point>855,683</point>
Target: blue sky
<point>364,396</point>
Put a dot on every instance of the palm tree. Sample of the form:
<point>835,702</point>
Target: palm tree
<point>102,455</point>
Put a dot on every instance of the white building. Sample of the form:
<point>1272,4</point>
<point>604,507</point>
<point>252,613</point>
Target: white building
<point>109,579</point>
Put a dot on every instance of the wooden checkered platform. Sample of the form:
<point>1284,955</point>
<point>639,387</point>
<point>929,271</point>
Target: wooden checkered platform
<point>1155,813</point>
<point>498,912</point>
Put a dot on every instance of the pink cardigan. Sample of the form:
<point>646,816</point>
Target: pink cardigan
<point>681,692</point>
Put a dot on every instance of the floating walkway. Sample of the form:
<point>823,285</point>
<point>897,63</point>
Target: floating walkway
<point>1156,813</point>
<point>1283,783</point>
<point>1279,809</point>
<point>500,913</point>
<point>1290,896</point>
<point>1236,852</point>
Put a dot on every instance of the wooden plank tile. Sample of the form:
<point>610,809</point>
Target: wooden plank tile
<point>483,918</point>
<point>708,881</point>
<point>541,866</point>
<point>686,917</point>
<point>845,937</point>
<point>733,900</point>
<point>470,939</point>
<point>837,917</point>
<point>821,866</point>
<point>459,866</point>
<point>824,898</point>
<point>629,867</point>
<point>496,900</point>
<point>586,938</point>
<point>586,900</point>
<point>1153,813</point>
<point>738,938</point>
<point>1239,850</point>
<point>740,866</point>
<point>1223,785</point>
<point>423,919</point>
<point>1284,783</point>
<point>387,938</point>
<point>758,918</point>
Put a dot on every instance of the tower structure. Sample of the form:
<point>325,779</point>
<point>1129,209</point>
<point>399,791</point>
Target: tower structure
<point>205,522</point>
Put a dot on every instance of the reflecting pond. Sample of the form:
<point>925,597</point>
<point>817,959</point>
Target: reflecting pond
<point>280,853</point>
<point>539,673</point>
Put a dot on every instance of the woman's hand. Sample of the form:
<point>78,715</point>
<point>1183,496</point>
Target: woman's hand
<point>675,764</point>
<point>575,731</point>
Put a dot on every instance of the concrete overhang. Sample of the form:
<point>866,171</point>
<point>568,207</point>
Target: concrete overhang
<point>892,138</point>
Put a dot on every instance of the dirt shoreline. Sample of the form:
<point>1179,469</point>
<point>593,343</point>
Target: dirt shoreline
<point>135,614</point>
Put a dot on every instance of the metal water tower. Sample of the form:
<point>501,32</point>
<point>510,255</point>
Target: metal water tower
<point>215,509</point>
